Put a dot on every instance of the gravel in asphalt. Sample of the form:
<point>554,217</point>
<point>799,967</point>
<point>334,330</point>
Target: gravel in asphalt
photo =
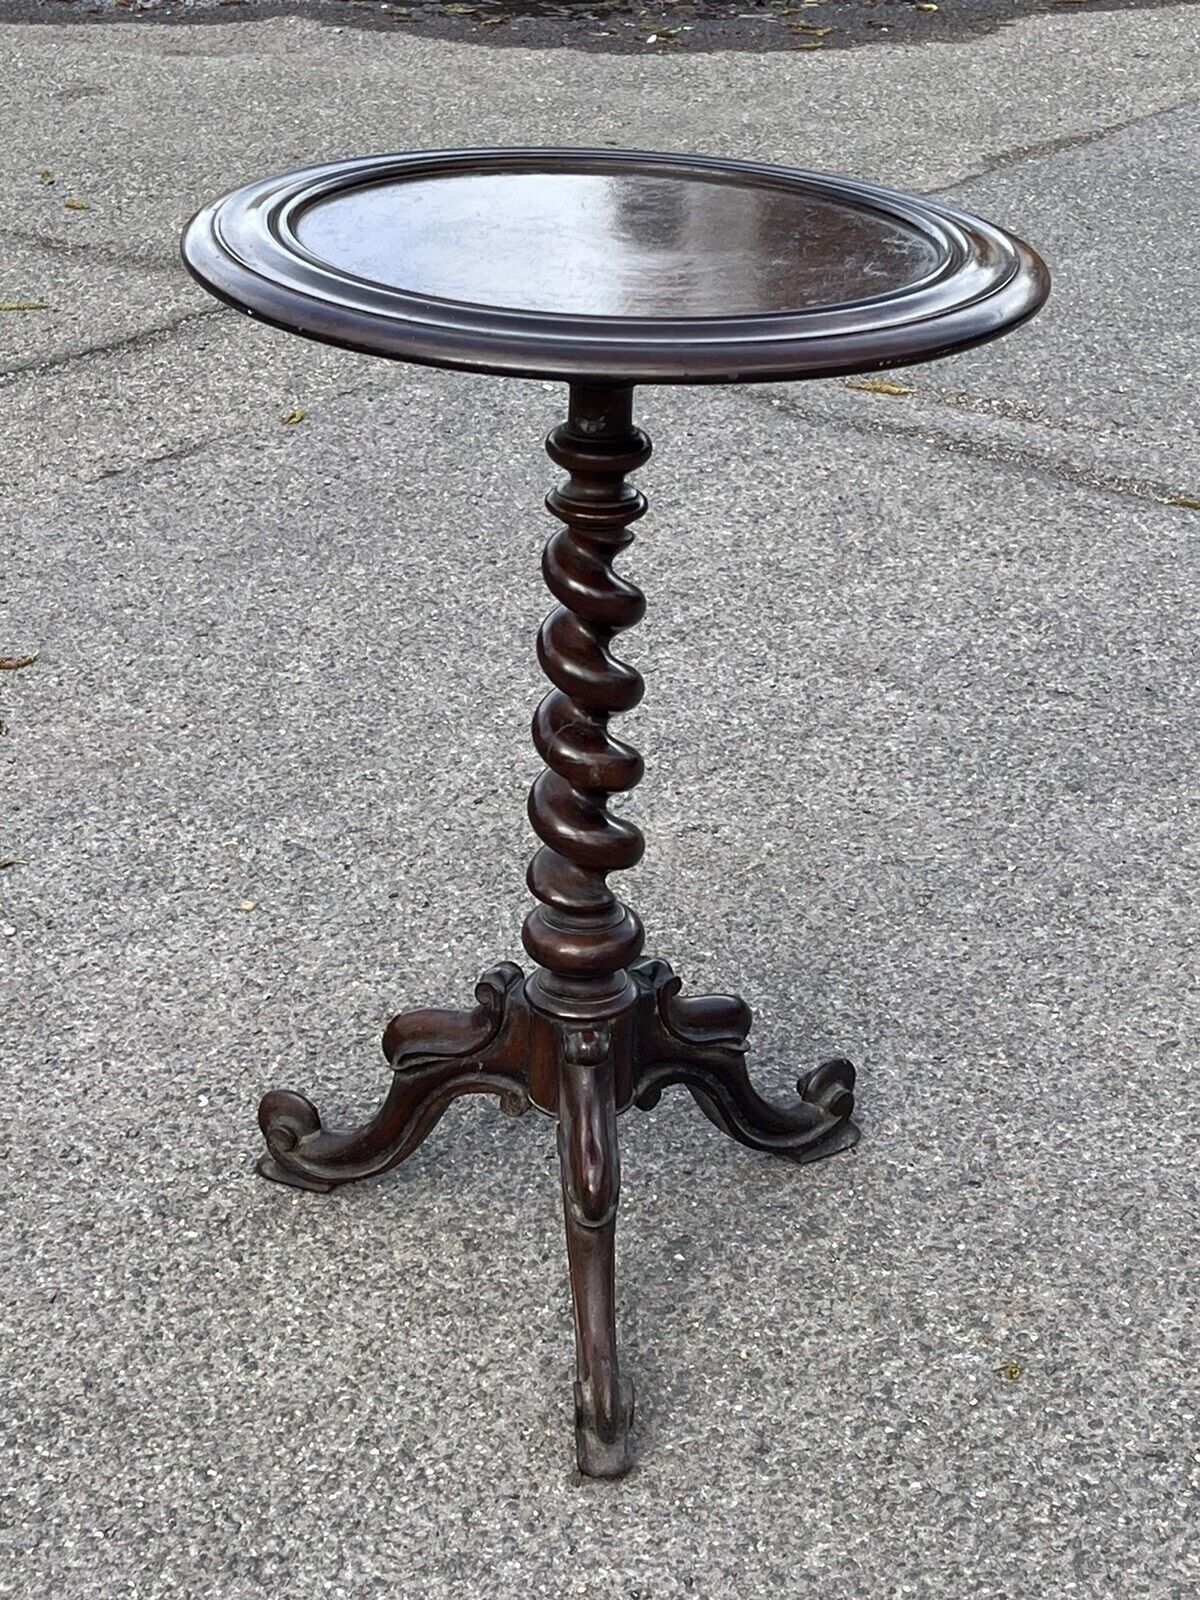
<point>944,822</point>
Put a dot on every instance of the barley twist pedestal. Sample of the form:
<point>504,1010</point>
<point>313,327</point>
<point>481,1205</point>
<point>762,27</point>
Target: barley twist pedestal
<point>606,270</point>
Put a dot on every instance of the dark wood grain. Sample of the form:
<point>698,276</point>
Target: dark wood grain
<point>594,1027</point>
<point>612,266</point>
<point>582,935</point>
<point>605,268</point>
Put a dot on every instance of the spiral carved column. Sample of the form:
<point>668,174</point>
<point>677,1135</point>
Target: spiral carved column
<point>582,936</point>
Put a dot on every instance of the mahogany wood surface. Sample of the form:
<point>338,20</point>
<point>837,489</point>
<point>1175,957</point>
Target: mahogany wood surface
<point>605,268</point>
<point>617,266</point>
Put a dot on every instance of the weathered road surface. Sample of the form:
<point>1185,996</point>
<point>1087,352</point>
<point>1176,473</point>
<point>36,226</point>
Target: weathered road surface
<point>959,1362</point>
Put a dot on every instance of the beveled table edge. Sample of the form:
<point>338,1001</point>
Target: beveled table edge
<point>243,249</point>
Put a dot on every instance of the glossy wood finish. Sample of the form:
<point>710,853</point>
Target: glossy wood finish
<point>436,1056</point>
<point>621,243</point>
<point>591,1184</point>
<point>612,266</point>
<point>605,268</point>
<point>582,935</point>
<point>594,1028</point>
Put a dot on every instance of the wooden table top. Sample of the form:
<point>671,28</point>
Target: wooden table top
<point>612,266</point>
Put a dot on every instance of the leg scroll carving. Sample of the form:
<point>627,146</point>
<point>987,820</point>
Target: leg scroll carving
<point>591,1181</point>
<point>701,1043</point>
<point>436,1056</point>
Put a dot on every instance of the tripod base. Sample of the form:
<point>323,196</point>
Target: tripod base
<point>583,1073</point>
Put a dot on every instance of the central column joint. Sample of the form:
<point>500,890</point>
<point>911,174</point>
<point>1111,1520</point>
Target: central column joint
<point>581,935</point>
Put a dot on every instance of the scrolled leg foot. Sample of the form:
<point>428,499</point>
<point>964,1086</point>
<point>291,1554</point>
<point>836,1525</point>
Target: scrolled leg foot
<point>286,1118</point>
<point>830,1086</point>
<point>436,1056</point>
<point>602,1429</point>
<point>701,1043</point>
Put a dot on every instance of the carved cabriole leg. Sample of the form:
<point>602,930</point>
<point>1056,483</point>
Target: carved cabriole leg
<point>435,1056</point>
<point>591,1183</point>
<point>701,1042</point>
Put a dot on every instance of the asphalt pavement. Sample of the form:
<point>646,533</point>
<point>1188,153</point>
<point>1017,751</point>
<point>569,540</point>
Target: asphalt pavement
<point>920,730</point>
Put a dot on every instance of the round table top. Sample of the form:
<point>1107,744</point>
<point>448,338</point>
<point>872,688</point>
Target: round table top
<point>612,265</point>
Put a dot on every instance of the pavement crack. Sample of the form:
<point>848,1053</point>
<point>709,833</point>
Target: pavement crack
<point>1002,406</point>
<point>177,452</point>
<point>143,339</point>
<point>186,449</point>
<point>91,250</point>
<point>1066,473</point>
<point>1021,153</point>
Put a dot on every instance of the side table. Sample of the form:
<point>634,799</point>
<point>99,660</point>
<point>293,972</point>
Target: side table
<point>603,269</point>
